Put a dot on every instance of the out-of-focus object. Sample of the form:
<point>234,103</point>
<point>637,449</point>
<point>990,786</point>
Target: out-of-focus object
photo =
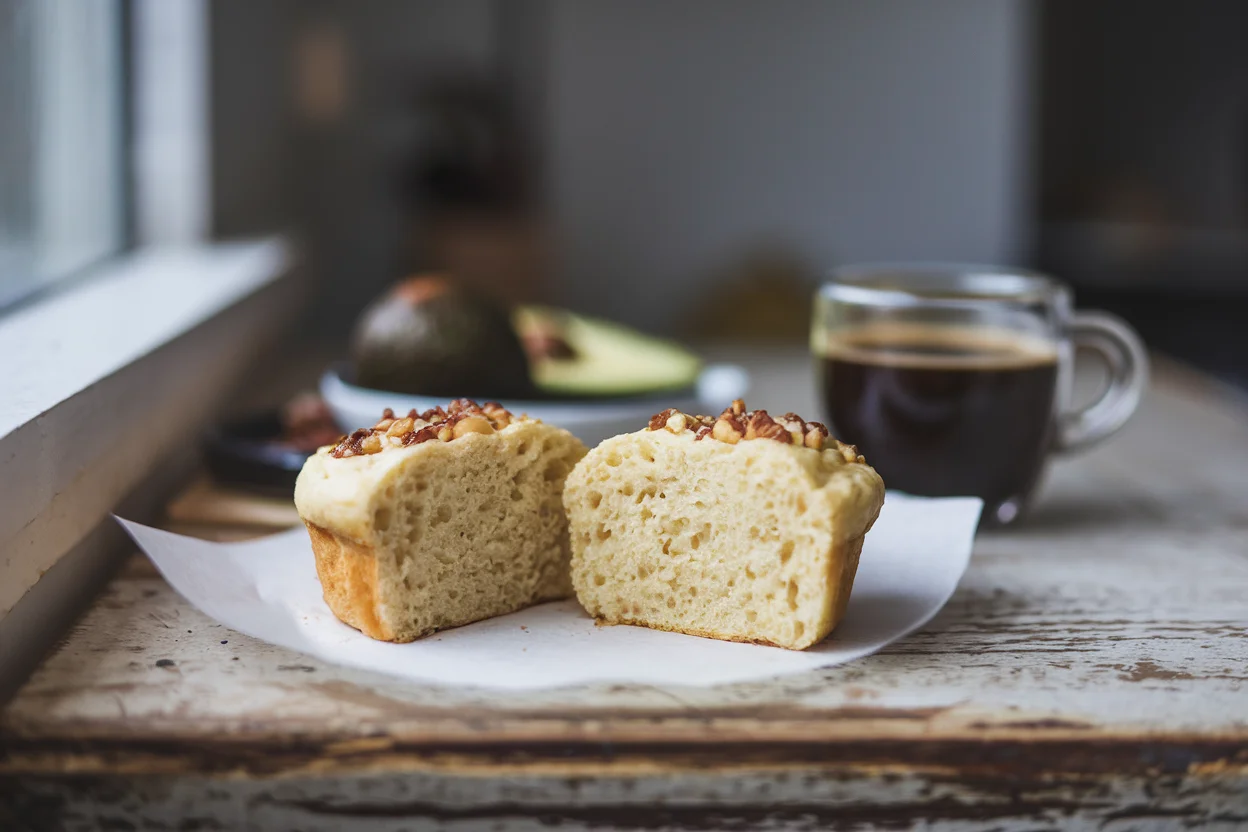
<point>589,420</point>
<point>434,336</point>
<point>320,72</point>
<point>572,355</point>
<point>307,423</point>
<point>766,297</point>
<point>207,503</point>
<point>251,454</point>
<point>265,452</point>
<point>471,189</point>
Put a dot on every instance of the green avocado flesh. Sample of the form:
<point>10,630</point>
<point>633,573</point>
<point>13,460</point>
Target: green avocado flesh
<point>606,359</point>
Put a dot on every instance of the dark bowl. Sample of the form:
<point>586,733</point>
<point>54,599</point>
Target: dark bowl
<point>250,454</point>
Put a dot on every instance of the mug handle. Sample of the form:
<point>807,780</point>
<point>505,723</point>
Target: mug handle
<point>1127,360</point>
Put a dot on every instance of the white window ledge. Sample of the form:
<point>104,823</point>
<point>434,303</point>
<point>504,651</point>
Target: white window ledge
<point>102,382</point>
<point>59,347</point>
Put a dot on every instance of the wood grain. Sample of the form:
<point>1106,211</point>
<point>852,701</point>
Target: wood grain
<point>1090,672</point>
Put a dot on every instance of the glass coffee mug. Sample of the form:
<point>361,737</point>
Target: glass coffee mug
<point>957,380</point>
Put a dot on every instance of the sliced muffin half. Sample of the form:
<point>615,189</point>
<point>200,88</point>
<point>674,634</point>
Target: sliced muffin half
<point>438,519</point>
<point>741,527</point>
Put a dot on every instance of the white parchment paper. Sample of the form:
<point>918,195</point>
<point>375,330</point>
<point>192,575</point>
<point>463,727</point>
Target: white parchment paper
<point>267,588</point>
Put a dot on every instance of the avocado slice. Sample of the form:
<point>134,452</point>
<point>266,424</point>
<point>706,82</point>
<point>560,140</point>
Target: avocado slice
<point>573,355</point>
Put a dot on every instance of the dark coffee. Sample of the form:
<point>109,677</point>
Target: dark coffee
<point>942,411</point>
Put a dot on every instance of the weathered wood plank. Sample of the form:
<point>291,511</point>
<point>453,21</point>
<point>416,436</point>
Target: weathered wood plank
<point>819,798</point>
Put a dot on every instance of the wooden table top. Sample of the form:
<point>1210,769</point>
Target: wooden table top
<point>1091,667</point>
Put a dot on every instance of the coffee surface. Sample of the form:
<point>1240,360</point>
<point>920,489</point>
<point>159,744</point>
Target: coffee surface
<point>942,411</point>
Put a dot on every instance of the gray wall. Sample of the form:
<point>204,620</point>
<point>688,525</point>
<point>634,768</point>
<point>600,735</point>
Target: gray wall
<point>678,135</point>
<point>684,132</point>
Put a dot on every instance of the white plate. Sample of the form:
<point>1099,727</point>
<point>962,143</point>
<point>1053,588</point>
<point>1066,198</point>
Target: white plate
<point>591,421</point>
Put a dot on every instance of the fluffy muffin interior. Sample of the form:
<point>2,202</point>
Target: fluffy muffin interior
<point>755,541</point>
<point>477,531</point>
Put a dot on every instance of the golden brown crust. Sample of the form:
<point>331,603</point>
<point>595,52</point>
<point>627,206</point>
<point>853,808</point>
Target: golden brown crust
<point>845,556</point>
<point>848,559</point>
<point>348,573</point>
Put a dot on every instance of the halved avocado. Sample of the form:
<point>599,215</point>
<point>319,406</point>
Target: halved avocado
<point>572,355</point>
<point>433,336</point>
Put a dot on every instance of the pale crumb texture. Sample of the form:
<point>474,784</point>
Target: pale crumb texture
<point>441,534</point>
<point>754,541</point>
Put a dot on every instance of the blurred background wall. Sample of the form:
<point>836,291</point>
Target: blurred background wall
<point>685,135</point>
<point>676,140</point>
<point>643,159</point>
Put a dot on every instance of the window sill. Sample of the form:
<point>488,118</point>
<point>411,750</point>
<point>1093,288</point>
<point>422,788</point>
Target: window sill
<point>102,385</point>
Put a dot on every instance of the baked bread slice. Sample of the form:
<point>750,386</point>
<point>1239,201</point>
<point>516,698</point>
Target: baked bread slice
<point>439,519</point>
<point>744,527</point>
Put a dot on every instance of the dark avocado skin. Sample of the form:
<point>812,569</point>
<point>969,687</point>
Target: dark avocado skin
<point>430,336</point>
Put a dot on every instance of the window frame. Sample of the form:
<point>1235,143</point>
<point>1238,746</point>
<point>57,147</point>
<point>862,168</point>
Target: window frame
<point>67,93</point>
<point>108,381</point>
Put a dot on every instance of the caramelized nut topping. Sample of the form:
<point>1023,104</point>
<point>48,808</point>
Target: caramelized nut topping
<point>472,424</point>
<point>659,420</point>
<point>497,414</point>
<point>460,418</point>
<point>401,426</point>
<point>736,423</point>
<point>725,430</point>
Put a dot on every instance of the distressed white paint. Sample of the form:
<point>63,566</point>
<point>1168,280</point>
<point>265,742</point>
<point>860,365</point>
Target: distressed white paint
<point>70,441</point>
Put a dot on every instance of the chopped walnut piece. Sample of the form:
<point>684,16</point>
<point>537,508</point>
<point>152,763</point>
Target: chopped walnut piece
<point>816,434</point>
<point>401,426</point>
<point>726,431</point>
<point>423,435</point>
<point>850,454</point>
<point>762,426</point>
<point>472,424</point>
<point>659,420</point>
<point>433,414</point>
<point>498,414</point>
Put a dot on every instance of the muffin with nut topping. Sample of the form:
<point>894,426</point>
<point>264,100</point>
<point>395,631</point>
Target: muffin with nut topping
<point>744,527</point>
<point>438,519</point>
